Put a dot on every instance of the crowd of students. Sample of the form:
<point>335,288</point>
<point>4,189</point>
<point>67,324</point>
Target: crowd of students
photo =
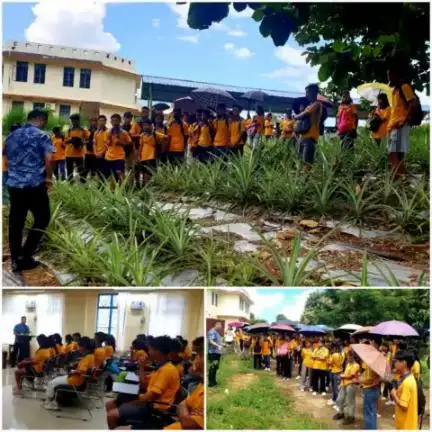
<point>324,365</point>
<point>169,372</point>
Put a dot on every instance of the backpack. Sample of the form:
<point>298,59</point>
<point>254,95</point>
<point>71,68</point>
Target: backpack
<point>375,123</point>
<point>417,116</point>
<point>421,399</point>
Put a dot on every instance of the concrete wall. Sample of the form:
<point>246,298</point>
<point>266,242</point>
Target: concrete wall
<point>228,305</point>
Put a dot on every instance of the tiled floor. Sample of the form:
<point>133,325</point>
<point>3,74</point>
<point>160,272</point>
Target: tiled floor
<point>27,413</point>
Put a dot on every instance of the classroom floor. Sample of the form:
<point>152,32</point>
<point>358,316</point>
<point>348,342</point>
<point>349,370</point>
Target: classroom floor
<point>19,413</point>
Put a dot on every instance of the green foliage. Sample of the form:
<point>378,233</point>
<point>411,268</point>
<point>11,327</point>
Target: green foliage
<point>355,41</point>
<point>367,307</point>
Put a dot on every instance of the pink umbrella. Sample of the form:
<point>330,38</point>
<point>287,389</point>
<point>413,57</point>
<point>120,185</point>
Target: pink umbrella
<point>282,328</point>
<point>394,328</point>
<point>374,359</point>
<point>237,324</point>
<point>363,330</point>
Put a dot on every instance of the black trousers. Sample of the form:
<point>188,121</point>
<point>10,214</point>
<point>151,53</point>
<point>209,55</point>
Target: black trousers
<point>22,350</point>
<point>77,162</point>
<point>90,165</point>
<point>278,365</point>
<point>318,380</point>
<point>287,366</point>
<point>214,361</point>
<point>257,358</point>
<point>35,200</point>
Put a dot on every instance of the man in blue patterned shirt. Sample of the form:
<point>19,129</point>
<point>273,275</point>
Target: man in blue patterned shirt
<point>214,339</point>
<point>29,152</point>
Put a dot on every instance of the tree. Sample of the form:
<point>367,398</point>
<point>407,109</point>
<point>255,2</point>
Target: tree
<point>281,317</point>
<point>350,42</point>
<point>367,307</point>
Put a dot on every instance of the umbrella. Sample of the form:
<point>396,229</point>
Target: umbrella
<point>161,106</point>
<point>312,329</point>
<point>394,328</point>
<point>363,330</point>
<point>236,324</point>
<point>258,328</point>
<point>282,328</point>
<point>370,91</point>
<point>374,359</point>
<point>186,104</point>
<point>349,328</point>
<point>325,328</point>
<point>211,97</point>
<point>254,95</point>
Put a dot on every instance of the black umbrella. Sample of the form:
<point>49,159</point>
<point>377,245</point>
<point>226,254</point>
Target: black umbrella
<point>161,106</point>
<point>254,95</point>
<point>212,97</point>
<point>258,328</point>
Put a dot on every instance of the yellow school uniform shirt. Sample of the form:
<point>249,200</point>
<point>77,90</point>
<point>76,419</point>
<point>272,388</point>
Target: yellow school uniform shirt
<point>180,370</point>
<point>336,362</point>
<point>40,357</point>
<point>306,354</point>
<point>266,348</point>
<point>100,138</point>
<point>204,137</point>
<point>350,370</point>
<point>399,111</point>
<point>260,125</point>
<point>99,356</point>
<point>60,349</point>
<point>315,112</point>
<point>195,404</point>
<point>52,352</point>
<point>222,134</point>
<point>84,365</point>
<point>415,370</point>
<point>116,143</point>
<point>186,354</point>
<point>293,345</point>
<point>268,127</point>
<point>320,360</point>
<point>287,128</point>
<point>73,346</point>
<point>60,148</point>
<point>407,393</point>
<point>82,133</point>
<point>165,382</point>
<point>135,130</point>
<point>369,377</point>
<point>176,137</point>
<point>109,350</point>
<point>384,114</point>
<point>147,147</point>
<point>236,129</point>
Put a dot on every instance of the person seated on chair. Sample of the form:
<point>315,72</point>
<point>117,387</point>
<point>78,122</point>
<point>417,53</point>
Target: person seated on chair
<point>100,351</point>
<point>161,390</point>
<point>35,366</point>
<point>175,356</point>
<point>71,345</point>
<point>139,349</point>
<point>77,377</point>
<point>110,346</point>
<point>191,411</point>
<point>59,347</point>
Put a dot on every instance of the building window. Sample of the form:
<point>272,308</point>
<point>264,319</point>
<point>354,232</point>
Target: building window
<point>242,304</point>
<point>85,77</point>
<point>214,299</point>
<point>68,77</point>
<point>106,320</point>
<point>21,71</point>
<point>38,106</point>
<point>39,73</point>
<point>64,111</point>
<point>18,105</point>
<point>247,307</point>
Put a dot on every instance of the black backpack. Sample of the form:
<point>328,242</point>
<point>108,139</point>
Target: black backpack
<point>417,116</point>
<point>375,123</point>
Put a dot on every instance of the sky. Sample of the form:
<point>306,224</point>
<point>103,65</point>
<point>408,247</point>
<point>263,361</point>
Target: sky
<point>157,38</point>
<point>269,302</point>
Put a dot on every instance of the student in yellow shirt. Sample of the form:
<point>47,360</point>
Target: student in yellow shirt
<point>162,388</point>
<point>33,366</point>
<point>287,126</point>
<point>59,156</point>
<point>99,352</point>
<point>90,155</point>
<point>266,347</point>
<point>191,411</point>
<point>161,135</point>
<point>277,345</point>
<point>405,396</point>
<point>71,345</point>
<point>319,357</point>
<point>115,149</point>
<point>147,154</point>
<point>177,138</point>
<point>175,357</point>
<point>307,365</point>
<point>100,139</point>
<point>76,144</point>
<point>404,103</point>
<point>268,127</point>
<point>378,122</point>
<point>77,377</point>
<point>237,132</point>
<point>110,345</point>
<point>203,133</point>
<point>345,402</point>
<point>134,131</point>
<point>221,138</point>
<point>336,361</point>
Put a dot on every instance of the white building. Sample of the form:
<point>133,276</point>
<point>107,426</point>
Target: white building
<point>228,304</point>
<point>68,80</point>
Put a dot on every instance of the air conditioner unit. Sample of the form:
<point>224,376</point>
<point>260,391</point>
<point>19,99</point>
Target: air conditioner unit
<point>30,305</point>
<point>137,306</point>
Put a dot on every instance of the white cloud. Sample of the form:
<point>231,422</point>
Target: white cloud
<point>77,24</point>
<point>295,309</point>
<point>263,302</point>
<point>181,10</point>
<point>247,13</point>
<point>237,32</point>
<point>238,52</point>
<point>190,39</point>
<point>290,56</point>
<point>155,22</point>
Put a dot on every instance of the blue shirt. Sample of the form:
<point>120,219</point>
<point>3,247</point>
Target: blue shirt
<point>25,150</point>
<point>21,328</point>
<point>214,336</point>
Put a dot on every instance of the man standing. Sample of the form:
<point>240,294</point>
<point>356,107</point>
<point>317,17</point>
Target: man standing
<point>214,352</point>
<point>29,153</point>
<point>22,341</point>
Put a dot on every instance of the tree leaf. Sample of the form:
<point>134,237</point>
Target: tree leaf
<point>324,72</point>
<point>258,15</point>
<point>338,46</point>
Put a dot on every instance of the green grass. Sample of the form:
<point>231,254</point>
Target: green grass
<point>260,405</point>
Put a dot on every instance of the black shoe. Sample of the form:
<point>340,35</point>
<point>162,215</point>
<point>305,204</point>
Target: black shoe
<point>338,416</point>
<point>211,384</point>
<point>348,421</point>
<point>16,266</point>
<point>29,263</point>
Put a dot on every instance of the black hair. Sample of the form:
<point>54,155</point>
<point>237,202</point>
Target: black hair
<point>176,346</point>
<point>313,87</point>
<point>140,344</point>
<point>403,346</point>
<point>43,341</point>
<point>116,116</point>
<point>102,117</point>
<point>110,340</point>
<point>407,356</point>
<point>128,114</point>
<point>14,127</point>
<point>145,108</point>
<point>198,345</point>
<point>75,117</point>
<point>383,97</point>
<point>86,343</point>
<point>147,122</point>
<point>37,113</point>
<point>68,338</point>
<point>57,338</point>
<point>99,338</point>
<point>56,129</point>
<point>162,344</point>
